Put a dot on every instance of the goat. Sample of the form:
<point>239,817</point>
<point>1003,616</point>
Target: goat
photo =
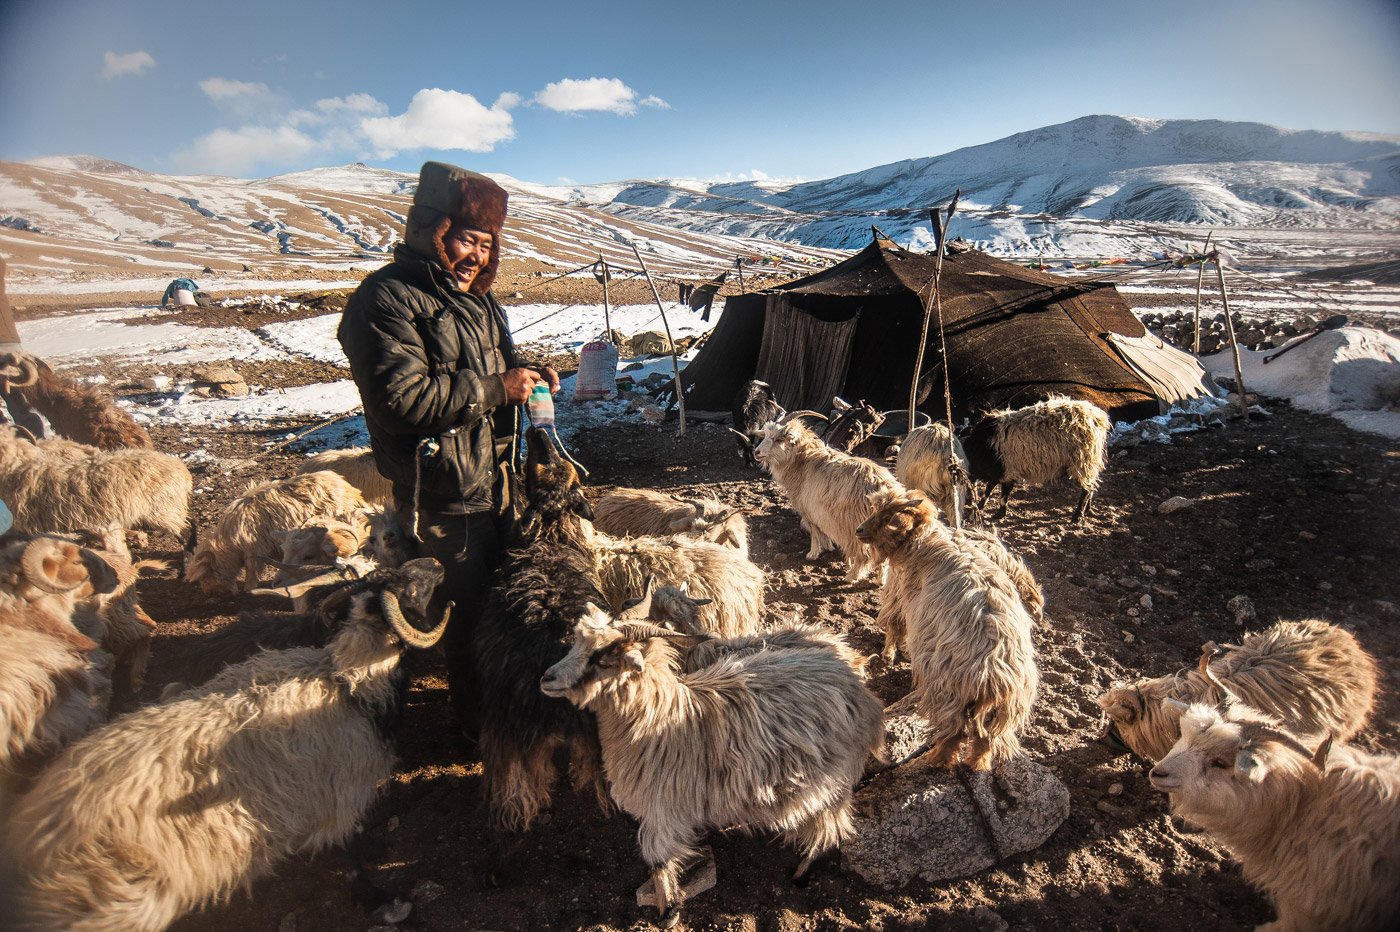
<point>47,689</point>
<point>923,465</point>
<point>1318,831</point>
<point>831,491</point>
<point>244,537</point>
<point>754,406</point>
<point>174,806</point>
<point>851,426</point>
<point>356,466</point>
<point>1312,676</point>
<point>968,632</point>
<point>79,412</point>
<point>57,485</point>
<point>1038,444</point>
<point>388,543</point>
<point>541,590</point>
<point>315,549</point>
<point>772,739</point>
<point>649,513</point>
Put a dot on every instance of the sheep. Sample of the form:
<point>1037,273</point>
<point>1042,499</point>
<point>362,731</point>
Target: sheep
<point>723,575</point>
<point>968,632</point>
<point>923,464</point>
<point>79,412</point>
<point>244,537</point>
<point>1312,676</point>
<point>830,491</point>
<point>46,681</point>
<point>56,485</point>
<point>174,806</point>
<point>546,581</point>
<point>772,739</point>
<point>649,513</point>
<point>355,465</point>
<point>754,406</point>
<point>1037,445</point>
<point>1318,831</point>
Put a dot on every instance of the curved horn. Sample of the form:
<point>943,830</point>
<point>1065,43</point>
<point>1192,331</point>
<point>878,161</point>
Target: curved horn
<point>28,372</point>
<point>740,434</point>
<point>306,585</point>
<point>38,575</point>
<point>1209,650</point>
<point>644,630</point>
<point>296,567</point>
<point>411,636</point>
<point>642,608</point>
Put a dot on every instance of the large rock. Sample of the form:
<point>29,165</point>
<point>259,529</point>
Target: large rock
<point>920,822</point>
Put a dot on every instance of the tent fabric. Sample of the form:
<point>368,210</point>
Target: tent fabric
<point>1015,336</point>
<point>803,357</point>
<point>1175,376</point>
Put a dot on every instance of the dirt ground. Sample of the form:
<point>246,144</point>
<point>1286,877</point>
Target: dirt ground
<point>1297,512</point>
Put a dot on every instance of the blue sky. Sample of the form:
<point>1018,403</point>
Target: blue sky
<point>562,92</point>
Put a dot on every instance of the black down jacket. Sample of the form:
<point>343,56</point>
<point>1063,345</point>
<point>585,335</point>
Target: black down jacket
<point>427,359</point>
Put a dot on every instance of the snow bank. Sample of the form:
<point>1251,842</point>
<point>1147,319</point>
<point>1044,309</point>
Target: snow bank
<point>1352,373</point>
<point>75,338</point>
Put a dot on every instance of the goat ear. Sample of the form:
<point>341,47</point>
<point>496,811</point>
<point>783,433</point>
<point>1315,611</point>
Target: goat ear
<point>701,601</point>
<point>1119,706</point>
<point>100,572</point>
<point>580,504</point>
<point>1319,757</point>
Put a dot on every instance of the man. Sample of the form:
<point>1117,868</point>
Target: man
<point>432,355</point>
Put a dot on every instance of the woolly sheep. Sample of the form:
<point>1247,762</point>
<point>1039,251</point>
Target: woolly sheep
<point>56,485</point>
<point>772,739</point>
<point>649,513</point>
<point>278,755</point>
<point>1038,444</point>
<point>1312,676</point>
<point>356,466</point>
<point>831,491</point>
<point>1317,830</point>
<point>968,633</point>
<point>244,536</point>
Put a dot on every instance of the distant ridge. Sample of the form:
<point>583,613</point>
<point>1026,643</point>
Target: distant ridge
<point>87,163</point>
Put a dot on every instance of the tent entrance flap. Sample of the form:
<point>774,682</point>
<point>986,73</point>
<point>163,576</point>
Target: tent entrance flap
<point>805,359</point>
<point>1175,376</point>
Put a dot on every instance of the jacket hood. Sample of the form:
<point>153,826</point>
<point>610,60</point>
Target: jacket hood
<point>446,195</point>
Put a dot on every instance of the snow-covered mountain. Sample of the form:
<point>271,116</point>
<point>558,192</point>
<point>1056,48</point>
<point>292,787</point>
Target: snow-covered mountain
<point>1099,186</point>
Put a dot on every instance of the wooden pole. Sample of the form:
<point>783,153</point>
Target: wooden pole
<point>1200,277</point>
<point>675,364</point>
<point>607,312</point>
<point>1234,344</point>
<point>739,267</point>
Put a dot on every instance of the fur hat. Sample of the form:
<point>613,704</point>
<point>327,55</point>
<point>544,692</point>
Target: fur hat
<point>446,195</point>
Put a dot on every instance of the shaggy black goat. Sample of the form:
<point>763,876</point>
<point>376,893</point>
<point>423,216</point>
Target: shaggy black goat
<point>754,406</point>
<point>543,588</point>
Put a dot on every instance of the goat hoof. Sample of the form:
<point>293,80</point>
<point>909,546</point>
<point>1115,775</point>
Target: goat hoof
<point>671,917</point>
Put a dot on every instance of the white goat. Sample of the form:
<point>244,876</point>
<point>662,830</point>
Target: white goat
<point>771,739</point>
<point>59,485</point>
<point>968,633</point>
<point>244,537</point>
<point>923,464</point>
<point>176,805</point>
<point>831,491</point>
<point>356,466</point>
<point>1319,831</point>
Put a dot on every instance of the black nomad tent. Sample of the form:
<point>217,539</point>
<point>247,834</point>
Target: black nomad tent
<point>1015,336</point>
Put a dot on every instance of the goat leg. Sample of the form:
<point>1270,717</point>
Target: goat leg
<point>1006,489</point>
<point>1083,509</point>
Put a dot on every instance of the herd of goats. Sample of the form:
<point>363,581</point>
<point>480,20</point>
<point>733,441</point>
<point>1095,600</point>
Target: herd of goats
<point>624,634</point>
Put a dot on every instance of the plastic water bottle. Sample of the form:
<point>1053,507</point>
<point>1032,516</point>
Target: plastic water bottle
<point>540,406</point>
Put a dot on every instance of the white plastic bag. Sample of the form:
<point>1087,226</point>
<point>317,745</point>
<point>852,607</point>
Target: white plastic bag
<point>597,372</point>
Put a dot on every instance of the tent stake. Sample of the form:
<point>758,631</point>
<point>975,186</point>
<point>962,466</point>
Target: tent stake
<point>1234,344</point>
<point>675,365</point>
<point>1200,277</point>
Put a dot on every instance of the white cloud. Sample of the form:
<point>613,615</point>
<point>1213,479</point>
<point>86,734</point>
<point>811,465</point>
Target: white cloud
<point>651,100</point>
<point>439,119</point>
<point>236,151</point>
<point>571,95</point>
<point>224,89</point>
<point>117,66</point>
<point>365,104</point>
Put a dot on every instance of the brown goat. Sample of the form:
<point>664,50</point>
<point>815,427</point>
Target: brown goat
<point>84,413</point>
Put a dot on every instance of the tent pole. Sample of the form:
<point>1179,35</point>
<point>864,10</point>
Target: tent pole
<point>607,312</point>
<point>675,365</point>
<point>934,303</point>
<point>1234,344</point>
<point>739,267</point>
<point>1200,277</point>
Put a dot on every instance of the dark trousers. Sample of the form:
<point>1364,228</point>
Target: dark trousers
<point>470,548</point>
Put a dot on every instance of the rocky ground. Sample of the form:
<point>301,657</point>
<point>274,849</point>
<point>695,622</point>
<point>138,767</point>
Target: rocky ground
<point>1295,512</point>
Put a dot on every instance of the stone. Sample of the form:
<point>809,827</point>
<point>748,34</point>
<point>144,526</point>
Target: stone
<point>1174,504</point>
<point>425,891</point>
<point>1146,602</point>
<point>918,822</point>
<point>393,913</point>
<point>157,383</point>
<point>988,920</point>
<point>1243,608</point>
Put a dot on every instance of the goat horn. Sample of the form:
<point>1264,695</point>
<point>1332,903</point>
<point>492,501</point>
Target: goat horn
<point>411,636</point>
<point>1210,650</point>
<point>1319,758</point>
<point>306,585</point>
<point>740,434</point>
<point>644,630</point>
<point>296,567</point>
<point>28,372</point>
<point>32,562</point>
<point>639,610</point>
